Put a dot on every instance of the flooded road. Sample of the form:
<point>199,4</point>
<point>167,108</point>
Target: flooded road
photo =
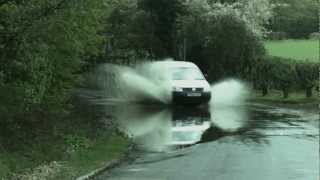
<point>224,140</point>
<point>222,143</point>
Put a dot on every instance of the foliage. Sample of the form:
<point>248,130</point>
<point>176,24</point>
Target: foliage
<point>254,13</point>
<point>79,139</point>
<point>285,75</point>
<point>298,18</point>
<point>257,14</point>
<point>158,29</point>
<point>129,32</point>
<point>262,74</point>
<point>307,76</point>
<point>163,14</point>
<point>76,142</point>
<point>219,41</point>
<point>42,45</point>
<point>143,28</point>
<point>296,97</point>
<point>228,52</point>
<point>315,35</point>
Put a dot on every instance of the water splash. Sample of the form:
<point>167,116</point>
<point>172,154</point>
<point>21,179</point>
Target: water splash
<point>147,82</point>
<point>150,82</point>
<point>228,93</point>
<point>161,128</point>
<point>227,105</point>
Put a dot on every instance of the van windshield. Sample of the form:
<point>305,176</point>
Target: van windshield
<point>186,73</point>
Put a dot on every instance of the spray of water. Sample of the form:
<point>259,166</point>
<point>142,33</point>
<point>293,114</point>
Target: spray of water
<point>227,105</point>
<point>229,93</point>
<point>147,82</point>
<point>151,128</point>
<point>151,82</point>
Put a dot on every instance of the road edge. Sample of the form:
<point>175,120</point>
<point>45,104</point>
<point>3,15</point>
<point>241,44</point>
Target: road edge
<point>106,167</point>
<point>110,164</point>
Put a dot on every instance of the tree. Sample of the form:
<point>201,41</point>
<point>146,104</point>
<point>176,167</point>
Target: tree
<point>130,33</point>
<point>227,49</point>
<point>43,44</point>
<point>307,76</point>
<point>296,18</point>
<point>262,74</point>
<point>255,13</point>
<point>283,75</point>
<point>164,14</point>
<point>219,40</point>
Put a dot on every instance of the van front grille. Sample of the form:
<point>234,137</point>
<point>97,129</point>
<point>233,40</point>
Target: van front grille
<point>192,89</point>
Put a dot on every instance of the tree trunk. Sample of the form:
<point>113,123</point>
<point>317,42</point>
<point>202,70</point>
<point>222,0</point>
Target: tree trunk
<point>264,90</point>
<point>308,92</point>
<point>255,86</point>
<point>285,93</point>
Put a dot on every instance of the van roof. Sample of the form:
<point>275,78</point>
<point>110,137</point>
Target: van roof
<point>177,64</point>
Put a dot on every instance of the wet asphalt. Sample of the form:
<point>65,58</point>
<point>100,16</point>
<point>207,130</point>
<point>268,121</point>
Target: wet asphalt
<point>244,142</point>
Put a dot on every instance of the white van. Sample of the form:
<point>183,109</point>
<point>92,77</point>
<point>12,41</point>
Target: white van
<point>188,84</point>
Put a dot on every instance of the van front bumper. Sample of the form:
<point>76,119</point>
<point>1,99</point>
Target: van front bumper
<point>191,97</point>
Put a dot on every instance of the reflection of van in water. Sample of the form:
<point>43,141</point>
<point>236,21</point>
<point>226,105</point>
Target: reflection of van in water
<point>188,125</point>
<point>189,85</point>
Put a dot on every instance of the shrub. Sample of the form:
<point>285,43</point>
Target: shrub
<point>277,35</point>
<point>307,76</point>
<point>315,35</point>
<point>43,45</point>
<point>262,74</point>
<point>275,72</point>
<point>229,49</point>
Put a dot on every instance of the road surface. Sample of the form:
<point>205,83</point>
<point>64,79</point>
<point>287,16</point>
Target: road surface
<point>245,142</point>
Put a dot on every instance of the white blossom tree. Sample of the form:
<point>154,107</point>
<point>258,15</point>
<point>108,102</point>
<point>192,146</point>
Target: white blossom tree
<point>255,13</point>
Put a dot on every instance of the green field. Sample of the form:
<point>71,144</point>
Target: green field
<point>294,49</point>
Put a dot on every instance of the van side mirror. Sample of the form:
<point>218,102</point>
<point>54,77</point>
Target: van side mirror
<point>206,75</point>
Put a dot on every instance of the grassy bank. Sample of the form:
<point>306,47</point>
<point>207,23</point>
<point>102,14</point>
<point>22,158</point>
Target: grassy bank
<point>60,145</point>
<point>67,164</point>
<point>275,96</point>
<point>294,49</point>
<point>83,161</point>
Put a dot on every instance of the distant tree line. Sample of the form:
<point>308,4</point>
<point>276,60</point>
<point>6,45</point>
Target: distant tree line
<point>294,19</point>
<point>214,35</point>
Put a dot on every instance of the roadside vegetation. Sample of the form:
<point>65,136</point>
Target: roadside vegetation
<point>61,146</point>
<point>47,45</point>
<point>276,96</point>
<point>292,48</point>
<point>89,156</point>
<point>286,75</point>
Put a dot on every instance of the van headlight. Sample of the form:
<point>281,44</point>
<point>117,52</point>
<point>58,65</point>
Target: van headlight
<point>177,89</point>
<point>207,89</point>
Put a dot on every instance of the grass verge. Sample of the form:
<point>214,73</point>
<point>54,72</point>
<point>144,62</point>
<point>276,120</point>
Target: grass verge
<point>294,49</point>
<point>86,160</point>
<point>275,96</point>
<point>73,161</point>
